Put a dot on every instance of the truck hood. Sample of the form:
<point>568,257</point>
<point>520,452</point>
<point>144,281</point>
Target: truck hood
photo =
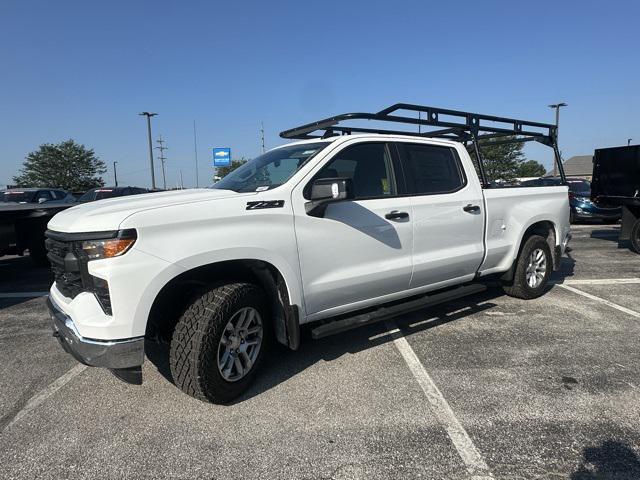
<point>108,214</point>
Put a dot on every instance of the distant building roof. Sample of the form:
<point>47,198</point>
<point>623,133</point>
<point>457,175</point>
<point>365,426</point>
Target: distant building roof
<point>580,165</point>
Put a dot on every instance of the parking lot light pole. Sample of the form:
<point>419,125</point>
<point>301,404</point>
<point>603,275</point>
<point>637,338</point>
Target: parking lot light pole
<point>115,173</point>
<point>153,174</point>
<point>557,106</point>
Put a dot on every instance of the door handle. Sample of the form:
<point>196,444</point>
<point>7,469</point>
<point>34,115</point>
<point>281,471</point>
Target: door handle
<point>471,208</point>
<point>396,215</point>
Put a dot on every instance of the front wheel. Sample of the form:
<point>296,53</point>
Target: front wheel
<point>532,270</point>
<point>219,342</point>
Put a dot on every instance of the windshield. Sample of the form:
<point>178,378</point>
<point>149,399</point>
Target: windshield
<point>100,193</point>
<point>17,196</point>
<point>271,169</point>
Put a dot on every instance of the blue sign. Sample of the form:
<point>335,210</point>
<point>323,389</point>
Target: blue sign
<point>221,157</point>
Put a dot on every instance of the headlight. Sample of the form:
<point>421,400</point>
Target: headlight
<point>109,247</point>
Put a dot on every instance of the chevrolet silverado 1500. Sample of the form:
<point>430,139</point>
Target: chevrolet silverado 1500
<point>333,230</point>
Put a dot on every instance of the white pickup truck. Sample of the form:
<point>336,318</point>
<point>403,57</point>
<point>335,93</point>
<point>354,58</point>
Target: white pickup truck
<point>336,231</point>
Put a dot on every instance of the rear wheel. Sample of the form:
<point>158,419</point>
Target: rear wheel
<point>635,236</point>
<point>532,270</point>
<point>219,342</point>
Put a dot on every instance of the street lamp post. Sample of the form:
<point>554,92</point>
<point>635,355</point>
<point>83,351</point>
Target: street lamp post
<point>115,173</point>
<point>153,174</point>
<point>557,107</point>
<point>629,141</point>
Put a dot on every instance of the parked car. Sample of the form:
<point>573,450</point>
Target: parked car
<point>335,231</point>
<point>110,192</point>
<point>580,202</point>
<point>36,195</point>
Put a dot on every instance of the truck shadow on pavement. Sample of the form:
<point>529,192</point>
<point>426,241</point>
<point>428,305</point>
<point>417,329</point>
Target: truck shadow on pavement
<point>282,364</point>
<point>567,269</point>
<point>19,275</point>
<point>612,459</point>
<point>610,235</point>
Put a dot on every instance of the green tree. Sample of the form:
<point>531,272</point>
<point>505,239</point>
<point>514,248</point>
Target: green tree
<point>224,171</point>
<point>66,165</point>
<point>531,168</point>
<point>501,160</point>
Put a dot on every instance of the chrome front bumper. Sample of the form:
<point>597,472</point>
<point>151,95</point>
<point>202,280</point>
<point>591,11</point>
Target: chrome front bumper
<point>113,354</point>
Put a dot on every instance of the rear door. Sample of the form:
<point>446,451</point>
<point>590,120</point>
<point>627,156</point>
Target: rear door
<point>360,250</point>
<point>448,214</point>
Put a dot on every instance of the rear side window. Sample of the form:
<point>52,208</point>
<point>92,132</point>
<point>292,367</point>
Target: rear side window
<point>368,165</point>
<point>431,169</point>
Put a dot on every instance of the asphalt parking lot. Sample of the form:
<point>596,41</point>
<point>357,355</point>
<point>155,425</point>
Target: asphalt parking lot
<point>484,387</point>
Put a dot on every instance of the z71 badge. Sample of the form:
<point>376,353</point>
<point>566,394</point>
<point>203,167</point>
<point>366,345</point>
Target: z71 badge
<point>265,204</point>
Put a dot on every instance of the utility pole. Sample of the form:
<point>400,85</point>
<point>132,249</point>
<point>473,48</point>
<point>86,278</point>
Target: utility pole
<point>195,151</point>
<point>115,173</point>
<point>629,141</point>
<point>557,107</point>
<point>162,148</point>
<point>153,173</point>
<point>181,181</point>
<point>262,134</point>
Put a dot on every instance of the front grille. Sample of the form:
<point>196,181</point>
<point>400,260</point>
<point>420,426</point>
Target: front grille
<point>66,272</point>
<point>70,269</point>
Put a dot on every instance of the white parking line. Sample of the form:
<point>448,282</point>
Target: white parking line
<point>41,396</point>
<point>599,281</point>
<point>475,464</point>
<point>23,294</point>
<point>626,310</point>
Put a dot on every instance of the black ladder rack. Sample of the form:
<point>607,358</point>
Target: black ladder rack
<point>468,128</point>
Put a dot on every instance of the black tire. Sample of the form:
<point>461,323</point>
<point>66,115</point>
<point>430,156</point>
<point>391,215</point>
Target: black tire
<point>193,355</point>
<point>572,216</point>
<point>519,288</point>
<point>610,221</point>
<point>635,237</point>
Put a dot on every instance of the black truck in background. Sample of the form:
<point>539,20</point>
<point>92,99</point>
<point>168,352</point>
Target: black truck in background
<point>616,181</point>
<point>22,227</point>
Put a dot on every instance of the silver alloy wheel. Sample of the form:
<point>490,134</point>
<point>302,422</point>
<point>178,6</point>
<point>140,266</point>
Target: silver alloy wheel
<point>537,268</point>
<point>240,344</point>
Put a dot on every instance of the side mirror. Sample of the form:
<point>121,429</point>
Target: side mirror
<point>328,190</point>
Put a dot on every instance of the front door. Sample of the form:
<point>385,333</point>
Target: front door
<point>359,250</point>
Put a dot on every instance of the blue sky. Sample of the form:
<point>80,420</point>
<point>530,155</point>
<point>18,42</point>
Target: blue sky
<point>83,70</point>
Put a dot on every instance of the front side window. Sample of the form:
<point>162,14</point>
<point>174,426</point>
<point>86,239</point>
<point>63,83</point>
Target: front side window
<point>271,169</point>
<point>431,169</point>
<point>368,165</point>
<point>44,195</point>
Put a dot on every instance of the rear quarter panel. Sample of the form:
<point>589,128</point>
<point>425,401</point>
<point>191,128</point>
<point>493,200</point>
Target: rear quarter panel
<point>511,211</point>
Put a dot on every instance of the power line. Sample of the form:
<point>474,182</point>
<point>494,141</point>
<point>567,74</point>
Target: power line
<point>162,158</point>
<point>195,150</point>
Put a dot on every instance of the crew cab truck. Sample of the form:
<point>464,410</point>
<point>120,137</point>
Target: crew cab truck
<point>616,180</point>
<point>331,230</point>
